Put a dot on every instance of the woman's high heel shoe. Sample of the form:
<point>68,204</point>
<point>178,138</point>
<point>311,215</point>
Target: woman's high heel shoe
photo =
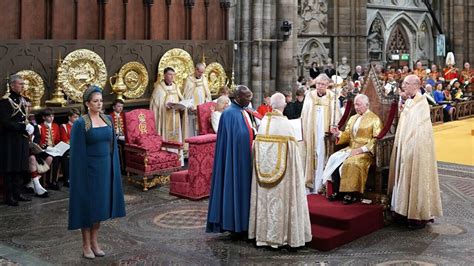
<point>98,253</point>
<point>88,255</point>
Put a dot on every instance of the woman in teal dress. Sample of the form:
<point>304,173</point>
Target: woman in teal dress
<point>95,179</point>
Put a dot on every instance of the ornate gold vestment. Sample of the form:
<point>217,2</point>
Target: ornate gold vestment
<point>316,111</point>
<point>413,178</point>
<point>355,168</point>
<point>278,206</point>
<point>167,121</point>
<point>197,89</point>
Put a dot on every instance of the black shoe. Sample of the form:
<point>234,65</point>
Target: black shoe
<point>416,226</point>
<point>44,195</point>
<point>22,198</point>
<point>12,202</point>
<point>348,200</point>
<point>54,186</point>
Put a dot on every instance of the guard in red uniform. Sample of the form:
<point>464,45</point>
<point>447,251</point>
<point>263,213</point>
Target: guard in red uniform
<point>450,72</point>
<point>49,137</point>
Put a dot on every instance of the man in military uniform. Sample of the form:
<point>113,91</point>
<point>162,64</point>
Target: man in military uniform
<point>14,140</point>
<point>450,72</point>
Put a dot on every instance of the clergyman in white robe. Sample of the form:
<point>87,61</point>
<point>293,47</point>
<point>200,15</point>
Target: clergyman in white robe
<point>278,206</point>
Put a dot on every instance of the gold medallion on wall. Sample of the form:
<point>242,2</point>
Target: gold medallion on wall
<point>34,87</point>
<point>180,61</point>
<point>216,77</point>
<point>135,77</point>
<point>79,69</point>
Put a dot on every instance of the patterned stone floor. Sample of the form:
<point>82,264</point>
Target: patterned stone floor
<point>162,229</point>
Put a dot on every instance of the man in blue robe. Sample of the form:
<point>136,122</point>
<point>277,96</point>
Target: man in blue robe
<point>229,200</point>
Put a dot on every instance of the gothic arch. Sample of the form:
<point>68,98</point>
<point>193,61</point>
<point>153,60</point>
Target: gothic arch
<point>375,37</point>
<point>376,15</point>
<point>403,18</point>
<point>313,51</point>
<point>405,26</point>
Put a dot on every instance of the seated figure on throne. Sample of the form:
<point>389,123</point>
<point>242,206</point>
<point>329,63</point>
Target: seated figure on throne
<point>348,168</point>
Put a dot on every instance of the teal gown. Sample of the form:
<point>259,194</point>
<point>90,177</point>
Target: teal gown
<point>95,179</point>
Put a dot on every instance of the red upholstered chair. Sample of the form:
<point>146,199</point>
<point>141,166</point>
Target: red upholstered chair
<point>204,118</point>
<point>195,183</point>
<point>144,151</point>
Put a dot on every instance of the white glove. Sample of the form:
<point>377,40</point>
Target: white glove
<point>30,129</point>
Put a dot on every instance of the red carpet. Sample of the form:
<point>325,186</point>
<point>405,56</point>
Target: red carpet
<point>334,224</point>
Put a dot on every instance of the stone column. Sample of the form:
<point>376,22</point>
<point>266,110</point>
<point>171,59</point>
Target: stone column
<point>266,46</point>
<point>256,82</point>
<point>245,39</point>
<point>286,10</point>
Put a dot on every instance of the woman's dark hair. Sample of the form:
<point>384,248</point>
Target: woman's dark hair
<point>87,95</point>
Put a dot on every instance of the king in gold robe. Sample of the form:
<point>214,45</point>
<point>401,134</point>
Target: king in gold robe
<point>413,177</point>
<point>360,133</point>
<point>278,206</point>
<point>318,113</point>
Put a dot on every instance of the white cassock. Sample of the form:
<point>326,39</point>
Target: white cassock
<point>278,206</point>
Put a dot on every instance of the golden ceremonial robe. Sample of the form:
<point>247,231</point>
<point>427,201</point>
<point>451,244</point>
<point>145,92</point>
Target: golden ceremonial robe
<point>413,177</point>
<point>278,206</point>
<point>198,91</point>
<point>355,168</point>
<point>317,116</point>
<point>167,121</point>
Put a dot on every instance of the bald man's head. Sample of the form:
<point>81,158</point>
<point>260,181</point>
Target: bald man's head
<point>411,85</point>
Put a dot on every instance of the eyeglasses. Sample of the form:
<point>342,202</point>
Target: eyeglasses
<point>406,83</point>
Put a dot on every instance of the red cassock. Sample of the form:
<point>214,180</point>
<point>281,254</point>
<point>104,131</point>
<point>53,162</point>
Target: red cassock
<point>119,122</point>
<point>65,132</point>
<point>263,109</point>
<point>52,134</point>
<point>450,74</point>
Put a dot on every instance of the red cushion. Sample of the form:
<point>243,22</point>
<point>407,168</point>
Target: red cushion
<point>180,176</point>
<point>202,139</point>
<point>204,118</point>
<point>151,142</point>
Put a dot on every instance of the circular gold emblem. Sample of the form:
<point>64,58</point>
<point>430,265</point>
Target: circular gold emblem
<point>135,77</point>
<point>180,61</point>
<point>34,87</point>
<point>216,77</point>
<point>79,69</point>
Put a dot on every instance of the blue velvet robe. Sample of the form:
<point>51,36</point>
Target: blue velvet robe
<point>95,192</point>
<point>229,200</point>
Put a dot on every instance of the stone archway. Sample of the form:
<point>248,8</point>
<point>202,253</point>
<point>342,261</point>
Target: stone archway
<point>312,51</point>
<point>398,43</point>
